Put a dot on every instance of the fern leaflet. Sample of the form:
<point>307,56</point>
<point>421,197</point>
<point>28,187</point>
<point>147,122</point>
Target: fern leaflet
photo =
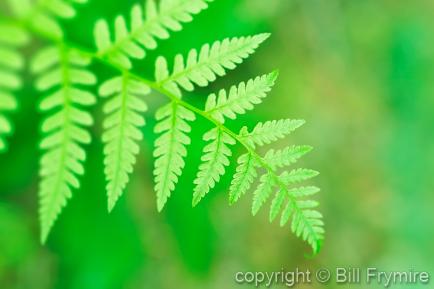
<point>270,131</point>
<point>65,71</point>
<point>214,160</point>
<point>203,67</point>
<point>170,148</point>
<point>262,192</point>
<point>241,98</point>
<point>243,178</point>
<point>11,62</point>
<point>131,43</point>
<point>122,131</point>
<point>286,157</point>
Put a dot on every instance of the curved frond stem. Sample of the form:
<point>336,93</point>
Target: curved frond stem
<point>158,87</point>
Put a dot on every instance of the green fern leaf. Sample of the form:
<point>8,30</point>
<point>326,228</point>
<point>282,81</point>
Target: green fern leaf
<point>201,68</point>
<point>306,221</point>
<point>131,43</point>
<point>270,131</point>
<point>297,176</point>
<point>240,99</point>
<point>277,203</point>
<point>303,192</point>
<point>287,156</point>
<point>11,62</point>
<point>262,192</point>
<point>290,178</point>
<point>243,178</point>
<point>62,72</point>
<point>122,131</point>
<point>170,148</point>
<point>214,160</point>
<point>41,15</point>
<point>63,75</point>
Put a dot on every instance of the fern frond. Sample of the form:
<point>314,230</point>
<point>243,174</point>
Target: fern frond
<point>243,178</point>
<point>41,15</point>
<point>214,160</point>
<point>62,73</point>
<point>270,131</point>
<point>122,131</point>
<point>170,148</point>
<point>201,68</point>
<point>131,42</point>
<point>11,62</point>
<point>240,99</point>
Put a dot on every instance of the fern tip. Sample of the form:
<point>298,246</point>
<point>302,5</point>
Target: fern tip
<point>307,148</point>
<point>110,207</point>
<point>274,75</point>
<point>196,201</point>
<point>316,249</point>
<point>160,207</point>
<point>254,211</point>
<point>44,236</point>
<point>112,200</point>
<point>263,36</point>
<point>232,201</point>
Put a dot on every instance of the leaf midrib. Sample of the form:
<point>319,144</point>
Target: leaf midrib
<point>115,181</point>
<point>254,91</point>
<point>66,138</point>
<point>170,153</point>
<point>184,73</point>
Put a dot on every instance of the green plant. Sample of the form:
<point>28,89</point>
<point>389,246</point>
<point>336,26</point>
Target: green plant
<point>63,74</point>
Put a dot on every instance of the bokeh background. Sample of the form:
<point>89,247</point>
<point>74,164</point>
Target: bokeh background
<point>361,72</point>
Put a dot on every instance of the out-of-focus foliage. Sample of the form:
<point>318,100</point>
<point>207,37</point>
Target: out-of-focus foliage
<point>11,61</point>
<point>359,72</point>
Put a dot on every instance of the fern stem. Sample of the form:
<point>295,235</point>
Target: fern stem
<point>234,135</point>
<point>159,88</point>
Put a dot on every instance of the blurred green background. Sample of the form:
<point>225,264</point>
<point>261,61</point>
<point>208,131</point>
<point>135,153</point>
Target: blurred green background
<point>361,72</point>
